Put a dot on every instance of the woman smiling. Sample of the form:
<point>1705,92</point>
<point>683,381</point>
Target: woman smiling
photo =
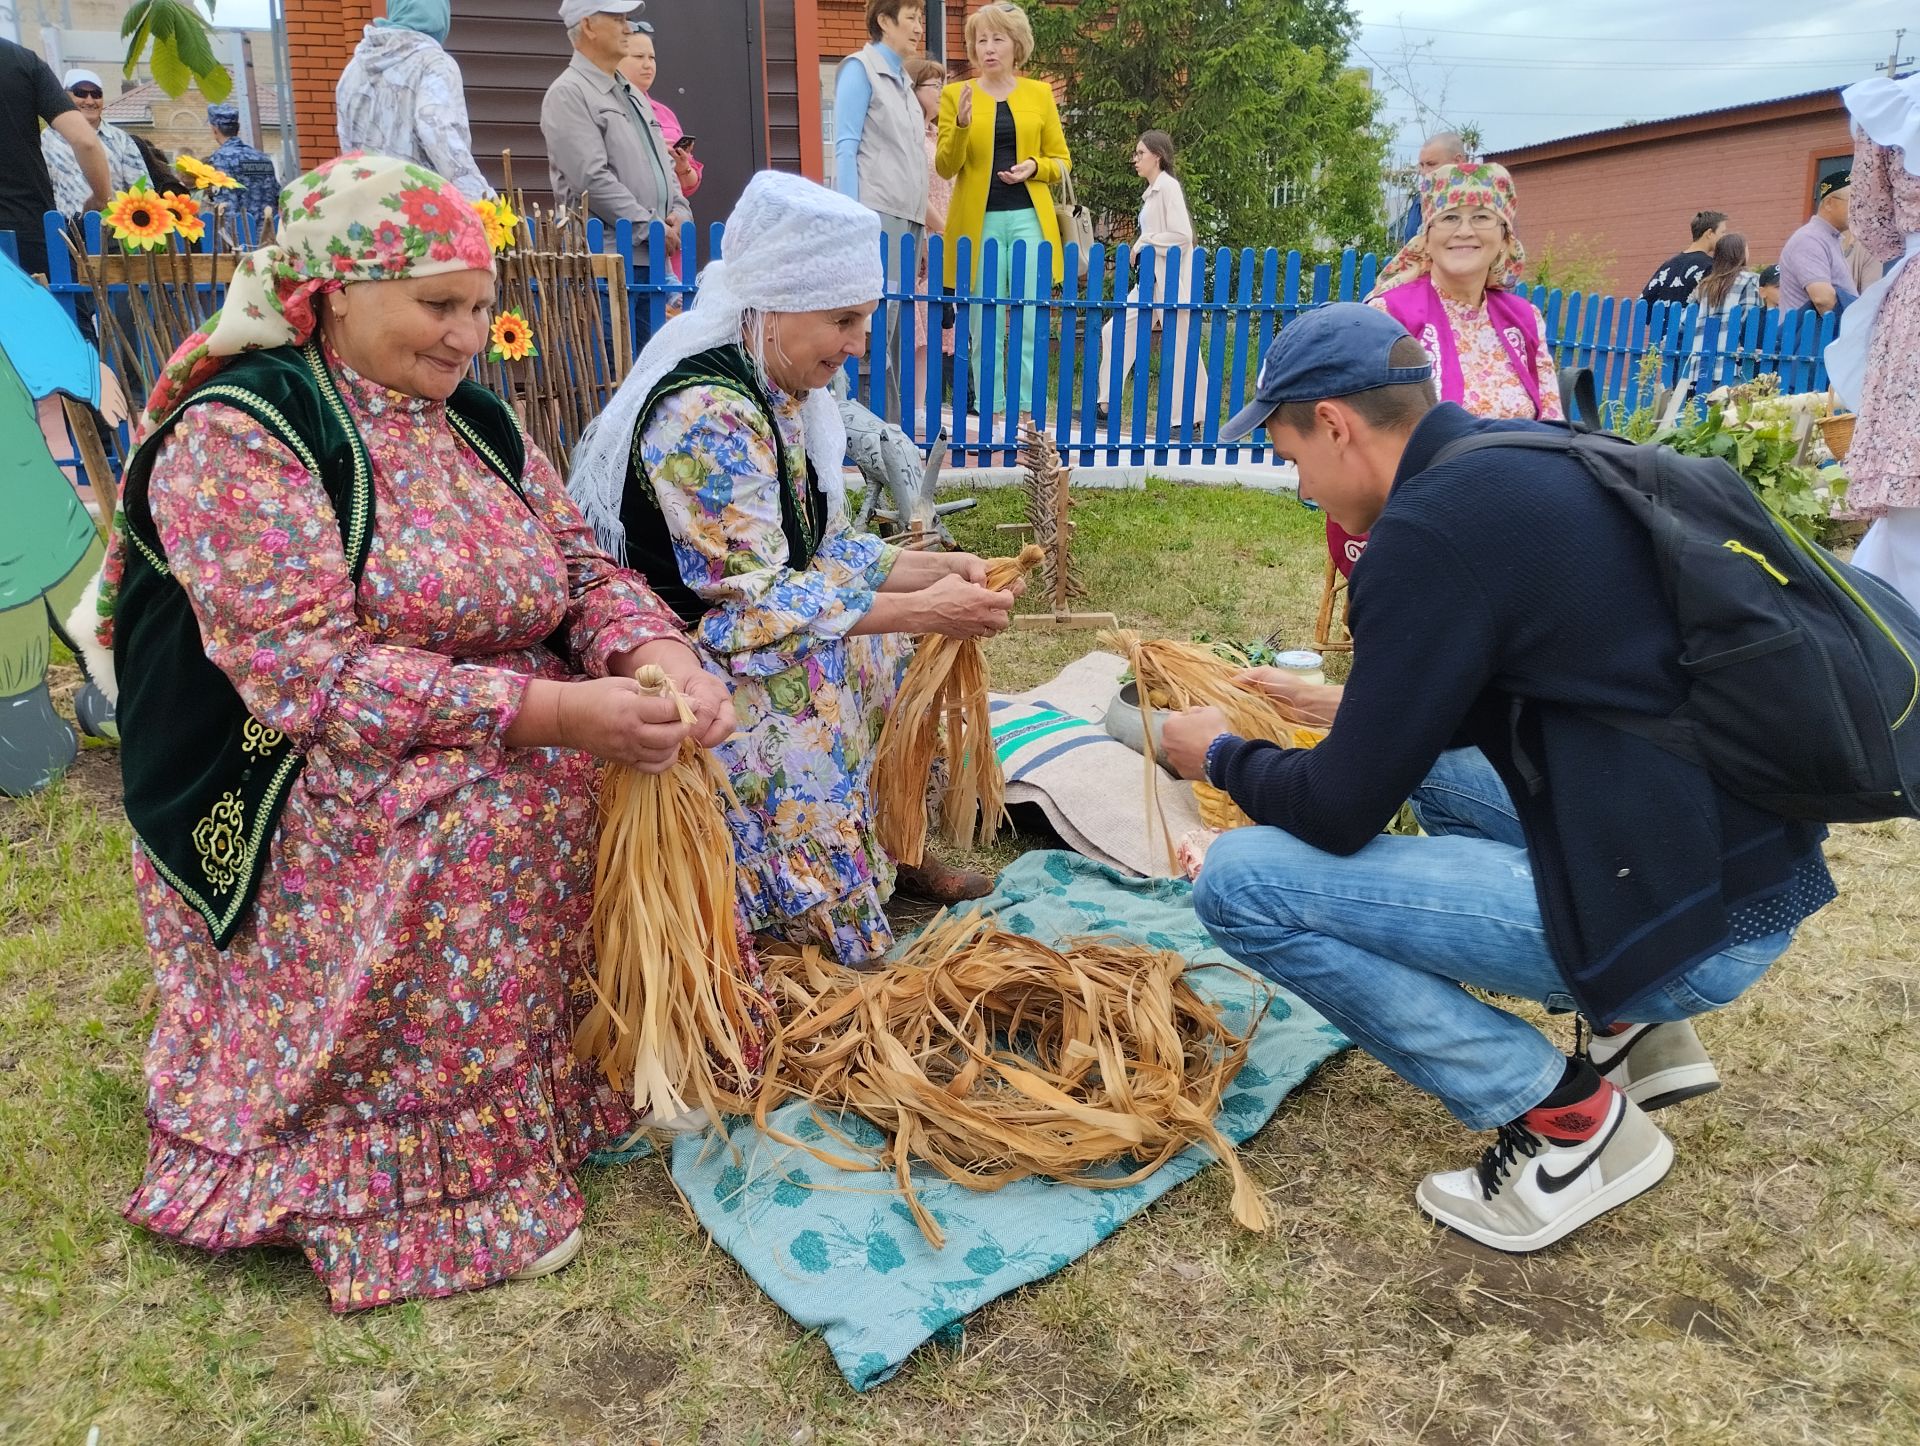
<point>369,659</point>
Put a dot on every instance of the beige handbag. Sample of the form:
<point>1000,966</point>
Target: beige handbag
<point>1075,222</point>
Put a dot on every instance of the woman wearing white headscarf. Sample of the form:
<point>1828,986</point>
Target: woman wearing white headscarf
<point>1871,364</point>
<point>717,473</point>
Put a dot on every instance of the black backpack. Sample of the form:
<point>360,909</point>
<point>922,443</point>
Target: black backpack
<point>1804,691</point>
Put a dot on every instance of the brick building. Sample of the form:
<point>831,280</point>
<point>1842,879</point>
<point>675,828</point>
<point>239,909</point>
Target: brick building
<point>1631,191</point>
<point>753,79</point>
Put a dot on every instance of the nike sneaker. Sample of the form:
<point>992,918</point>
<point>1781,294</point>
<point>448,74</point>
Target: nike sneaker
<point>1656,1064</point>
<point>1550,1172</point>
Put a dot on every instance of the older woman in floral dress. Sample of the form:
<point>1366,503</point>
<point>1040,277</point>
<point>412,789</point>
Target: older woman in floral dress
<point>368,659</point>
<point>1452,288</point>
<point>717,469</point>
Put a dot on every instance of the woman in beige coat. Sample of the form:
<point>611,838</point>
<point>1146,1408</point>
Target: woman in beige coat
<point>1165,224</point>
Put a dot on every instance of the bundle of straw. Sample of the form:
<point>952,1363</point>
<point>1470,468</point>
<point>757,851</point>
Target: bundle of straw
<point>945,683</point>
<point>674,1016</point>
<point>992,1057</point>
<point>1179,676</point>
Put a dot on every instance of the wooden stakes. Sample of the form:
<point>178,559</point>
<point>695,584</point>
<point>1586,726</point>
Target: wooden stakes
<point>1050,524</point>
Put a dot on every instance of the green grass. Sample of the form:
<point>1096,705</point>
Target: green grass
<point>1769,1291</point>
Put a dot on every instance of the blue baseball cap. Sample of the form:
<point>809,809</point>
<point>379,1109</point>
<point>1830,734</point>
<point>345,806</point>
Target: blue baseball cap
<point>1332,351</point>
<point>223,115</point>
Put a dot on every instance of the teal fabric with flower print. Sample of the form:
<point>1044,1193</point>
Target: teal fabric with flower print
<point>838,1250</point>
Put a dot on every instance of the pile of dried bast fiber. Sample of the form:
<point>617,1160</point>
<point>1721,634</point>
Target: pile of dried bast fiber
<point>942,710</point>
<point>676,1018</point>
<point>1178,676</point>
<point>992,1057</point>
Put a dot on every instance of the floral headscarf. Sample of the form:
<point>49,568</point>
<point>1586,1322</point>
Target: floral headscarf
<point>1460,188</point>
<point>356,218</point>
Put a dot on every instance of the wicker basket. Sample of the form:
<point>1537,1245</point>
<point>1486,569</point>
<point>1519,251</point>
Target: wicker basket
<point>1217,810</point>
<point>1837,430</point>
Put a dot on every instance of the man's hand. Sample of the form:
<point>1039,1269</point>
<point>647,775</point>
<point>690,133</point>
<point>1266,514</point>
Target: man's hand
<point>1314,702</point>
<point>1186,737</point>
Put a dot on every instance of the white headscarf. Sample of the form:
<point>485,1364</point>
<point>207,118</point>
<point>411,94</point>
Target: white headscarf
<point>791,245</point>
<point>1889,112</point>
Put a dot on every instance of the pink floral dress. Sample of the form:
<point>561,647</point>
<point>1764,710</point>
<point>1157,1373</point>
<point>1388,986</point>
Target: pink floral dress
<point>1883,464</point>
<point>379,1069</point>
<point>1491,388</point>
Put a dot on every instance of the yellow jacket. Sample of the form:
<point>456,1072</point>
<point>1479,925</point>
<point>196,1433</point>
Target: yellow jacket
<point>966,158</point>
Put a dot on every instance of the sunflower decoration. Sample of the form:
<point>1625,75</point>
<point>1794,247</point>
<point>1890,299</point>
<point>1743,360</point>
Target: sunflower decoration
<point>139,219</point>
<point>203,176</point>
<point>188,223</point>
<point>512,338</point>
<point>503,225</point>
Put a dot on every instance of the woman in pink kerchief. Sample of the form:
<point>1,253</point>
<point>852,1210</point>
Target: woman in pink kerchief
<point>368,659</point>
<point>1452,288</point>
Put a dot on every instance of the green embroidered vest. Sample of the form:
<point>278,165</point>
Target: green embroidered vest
<point>205,781</point>
<point>650,553</point>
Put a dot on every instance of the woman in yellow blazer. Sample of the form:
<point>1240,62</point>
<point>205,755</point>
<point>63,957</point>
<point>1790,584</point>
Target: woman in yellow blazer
<point>1001,144</point>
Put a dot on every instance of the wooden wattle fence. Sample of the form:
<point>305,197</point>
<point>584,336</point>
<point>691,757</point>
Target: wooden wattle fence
<point>572,294</point>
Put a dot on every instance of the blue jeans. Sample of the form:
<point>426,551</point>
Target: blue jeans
<point>1381,942</point>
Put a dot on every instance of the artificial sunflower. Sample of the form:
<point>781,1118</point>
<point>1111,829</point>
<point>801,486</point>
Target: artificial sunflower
<point>502,224</point>
<point>139,219</point>
<point>512,338</point>
<point>187,220</point>
<point>203,176</point>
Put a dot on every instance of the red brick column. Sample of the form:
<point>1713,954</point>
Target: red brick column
<point>321,35</point>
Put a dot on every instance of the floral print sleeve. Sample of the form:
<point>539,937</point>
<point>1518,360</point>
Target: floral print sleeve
<point>256,543</point>
<point>718,486</point>
<point>610,610</point>
<point>1870,201</point>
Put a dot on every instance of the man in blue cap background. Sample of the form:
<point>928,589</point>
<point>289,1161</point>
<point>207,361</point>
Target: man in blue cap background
<point>259,182</point>
<point>1503,596</point>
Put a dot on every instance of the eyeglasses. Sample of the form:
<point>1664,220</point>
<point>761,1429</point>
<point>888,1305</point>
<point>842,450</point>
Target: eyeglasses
<point>1476,221</point>
<point>86,92</point>
<point>639,27</point>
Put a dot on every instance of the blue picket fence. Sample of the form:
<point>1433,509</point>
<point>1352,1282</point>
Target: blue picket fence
<point>1212,315</point>
<point>1232,303</point>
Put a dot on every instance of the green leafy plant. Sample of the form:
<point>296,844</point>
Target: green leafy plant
<point>1762,435</point>
<point>1278,136</point>
<point>181,48</point>
<point>1764,438</point>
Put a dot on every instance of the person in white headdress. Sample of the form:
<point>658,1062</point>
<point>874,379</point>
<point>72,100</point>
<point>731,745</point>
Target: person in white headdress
<point>716,472</point>
<point>1871,363</point>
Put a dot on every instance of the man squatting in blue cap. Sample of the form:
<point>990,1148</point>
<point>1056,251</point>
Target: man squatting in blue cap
<point>1502,594</point>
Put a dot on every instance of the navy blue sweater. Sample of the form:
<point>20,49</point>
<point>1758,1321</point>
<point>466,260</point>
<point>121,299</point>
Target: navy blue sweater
<point>1500,595</point>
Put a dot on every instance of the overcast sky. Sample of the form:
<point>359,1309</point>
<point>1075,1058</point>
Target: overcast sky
<point>1527,71</point>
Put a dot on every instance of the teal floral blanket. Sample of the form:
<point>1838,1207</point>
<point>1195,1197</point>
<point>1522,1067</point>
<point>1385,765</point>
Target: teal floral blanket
<point>838,1251</point>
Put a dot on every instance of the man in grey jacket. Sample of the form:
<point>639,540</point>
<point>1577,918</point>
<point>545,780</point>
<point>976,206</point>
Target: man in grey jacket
<point>603,142</point>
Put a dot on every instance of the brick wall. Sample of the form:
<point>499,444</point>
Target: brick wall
<point>321,35</point>
<point>1635,200</point>
<point>843,27</point>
